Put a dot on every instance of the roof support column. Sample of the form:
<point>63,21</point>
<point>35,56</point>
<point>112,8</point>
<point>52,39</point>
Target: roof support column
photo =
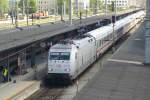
<point>147,34</point>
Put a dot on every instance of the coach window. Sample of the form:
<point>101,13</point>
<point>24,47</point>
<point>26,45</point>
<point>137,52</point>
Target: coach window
<point>109,37</point>
<point>99,43</point>
<point>64,56</point>
<point>105,39</point>
<point>75,55</point>
<point>54,56</point>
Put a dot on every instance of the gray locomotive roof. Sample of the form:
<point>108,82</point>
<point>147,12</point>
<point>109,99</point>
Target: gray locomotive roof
<point>62,46</point>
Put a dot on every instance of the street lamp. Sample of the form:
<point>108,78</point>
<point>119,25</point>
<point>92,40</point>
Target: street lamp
<point>16,13</point>
<point>64,8</point>
<point>113,21</point>
<point>96,7</point>
<point>105,7</point>
<point>77,7</point>
<point>70,11</point>
<point>27,12</point>
<point>147,34</point>
<point>12,12</point>
<point>23,7</point>
<point>55,9</point>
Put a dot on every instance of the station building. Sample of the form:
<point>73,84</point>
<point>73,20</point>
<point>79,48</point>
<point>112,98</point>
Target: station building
<point>119,3</point>
<point>46,5</point>
<point>81,4</point>
<point>51,5</point>
<point>126,3</point>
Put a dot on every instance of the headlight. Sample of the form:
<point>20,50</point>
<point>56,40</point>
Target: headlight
<point>50,69</point>
<point>67,70</point>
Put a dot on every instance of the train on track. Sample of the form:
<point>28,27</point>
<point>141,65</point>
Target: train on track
<point>70,57</point>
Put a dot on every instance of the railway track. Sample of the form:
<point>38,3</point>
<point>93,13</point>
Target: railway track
<point>46,94</point>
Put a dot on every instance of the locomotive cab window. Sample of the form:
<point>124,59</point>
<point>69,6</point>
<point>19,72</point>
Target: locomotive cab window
<point>75,55</point>
<point>59,56</point>
<point>54,56</point>
<point>64,56</point>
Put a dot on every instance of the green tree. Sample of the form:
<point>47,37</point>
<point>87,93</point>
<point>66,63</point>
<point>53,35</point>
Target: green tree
<point>101,5</point>
<point>3,7</point>
<point>92,4</point>
<point>28,6</point>
<point>60,3</point>
<point>32,6</point>
<point>95,5</point>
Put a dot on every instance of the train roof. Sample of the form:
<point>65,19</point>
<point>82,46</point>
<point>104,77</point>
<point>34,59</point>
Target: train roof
<point>61,46</point>
<point>67,44</point>
<point>101,32</point>
<point>83,41</point>
<point>105,30</point>
<point>97,33</point>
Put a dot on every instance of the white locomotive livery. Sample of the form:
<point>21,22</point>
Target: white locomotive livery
<point>70,58</point>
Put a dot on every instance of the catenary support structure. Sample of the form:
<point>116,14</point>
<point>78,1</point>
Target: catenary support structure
<point>147,34</point>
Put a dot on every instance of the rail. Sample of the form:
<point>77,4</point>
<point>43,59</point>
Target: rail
<point>46,94</point>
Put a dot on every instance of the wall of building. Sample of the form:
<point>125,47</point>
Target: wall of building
<point>81,4</point>
<point>119,3</point>
<point>46,5</point>
<point>137,3</point>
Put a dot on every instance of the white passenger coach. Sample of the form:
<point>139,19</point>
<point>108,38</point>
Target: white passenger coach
<point>69,58</point>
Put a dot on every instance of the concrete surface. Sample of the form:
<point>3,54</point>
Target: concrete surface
<point>123,77</point>
<point>19,90</point>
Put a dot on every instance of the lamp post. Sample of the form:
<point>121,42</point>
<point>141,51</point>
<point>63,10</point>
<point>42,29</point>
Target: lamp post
<point>77,7</point>
<point>12,12</point>
<point>105,7</point>
<point>16,13</point>
<point>64,8</point>
<point>70,11</point>
<point>147,34</point>
<point>23,7</point>
<point>115,7</point>
<point>113,21</point>
<point>96,6</point>
<point>27,12</point>
<point>61,11</point>
<point>86,11</point>
<point>55,9</point>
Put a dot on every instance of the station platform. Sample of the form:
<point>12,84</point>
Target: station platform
<point>13,38</point>
<point>19,90</point>
<point>25,84</point>
<point>123,76</point>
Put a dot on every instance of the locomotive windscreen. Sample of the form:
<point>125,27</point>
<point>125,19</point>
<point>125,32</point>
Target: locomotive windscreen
<point>59,55</point>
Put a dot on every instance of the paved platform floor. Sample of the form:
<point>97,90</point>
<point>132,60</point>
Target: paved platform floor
<point>123,77</point>
<point>19,90</point>
<point>24,85</point>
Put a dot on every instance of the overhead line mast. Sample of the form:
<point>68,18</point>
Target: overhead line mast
<point>147,34</point>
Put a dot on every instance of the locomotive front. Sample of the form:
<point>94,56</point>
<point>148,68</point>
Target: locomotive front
<point>59,61</point>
